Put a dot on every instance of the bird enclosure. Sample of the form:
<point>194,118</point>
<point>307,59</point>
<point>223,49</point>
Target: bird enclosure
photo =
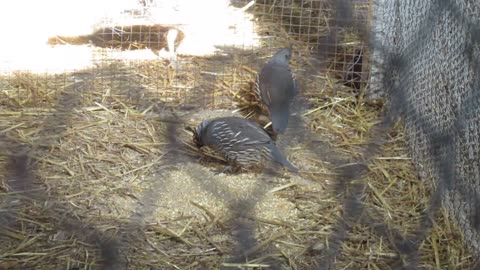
<point>101,171</point>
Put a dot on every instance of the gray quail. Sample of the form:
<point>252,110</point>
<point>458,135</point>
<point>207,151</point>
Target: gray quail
<point>276,88</point>
<point>243,143</point>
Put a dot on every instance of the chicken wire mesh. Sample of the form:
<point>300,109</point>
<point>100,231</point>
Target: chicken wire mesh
<point>435,46</point>
<point>331,41</point>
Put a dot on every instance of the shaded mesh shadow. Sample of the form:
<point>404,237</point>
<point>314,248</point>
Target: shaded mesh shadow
<point>26,192</point>
<point>442,146</point>
<point>174,157</point>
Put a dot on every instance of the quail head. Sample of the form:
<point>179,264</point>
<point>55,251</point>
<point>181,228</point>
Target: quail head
<point>241,142</point>
<point>276,88</point>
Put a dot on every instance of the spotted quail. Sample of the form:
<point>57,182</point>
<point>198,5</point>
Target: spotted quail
<point>276,87</point>
<point>243,143</point>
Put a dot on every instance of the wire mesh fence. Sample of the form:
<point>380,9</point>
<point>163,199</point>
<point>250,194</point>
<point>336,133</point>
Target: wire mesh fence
<point>100,174</point>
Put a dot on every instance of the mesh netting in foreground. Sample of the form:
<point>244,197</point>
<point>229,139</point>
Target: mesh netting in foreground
<point>429,70</point>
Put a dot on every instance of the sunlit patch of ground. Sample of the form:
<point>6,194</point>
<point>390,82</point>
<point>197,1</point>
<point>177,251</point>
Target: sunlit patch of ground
<point>27,25</point>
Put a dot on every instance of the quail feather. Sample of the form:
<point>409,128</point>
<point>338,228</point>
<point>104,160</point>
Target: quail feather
<point>241,142</point>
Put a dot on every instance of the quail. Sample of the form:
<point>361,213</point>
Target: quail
<point>241,142</point>
<point>276,87</point>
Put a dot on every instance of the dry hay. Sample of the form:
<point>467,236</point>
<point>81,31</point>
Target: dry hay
<point>111,155</point>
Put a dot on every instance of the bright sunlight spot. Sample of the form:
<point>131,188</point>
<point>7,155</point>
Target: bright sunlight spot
<point>28,24</point>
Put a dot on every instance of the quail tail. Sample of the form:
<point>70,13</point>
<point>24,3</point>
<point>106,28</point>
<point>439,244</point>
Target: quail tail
<point>279,119</point>
<point>278,157</point>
